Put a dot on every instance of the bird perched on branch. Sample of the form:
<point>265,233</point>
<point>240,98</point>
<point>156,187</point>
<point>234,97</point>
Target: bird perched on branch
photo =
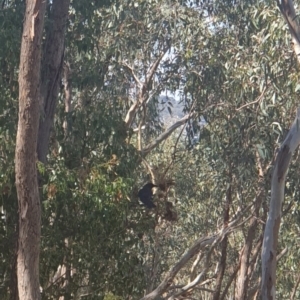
<point>146,195</point>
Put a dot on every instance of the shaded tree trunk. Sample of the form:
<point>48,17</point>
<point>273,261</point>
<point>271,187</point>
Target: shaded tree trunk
<point>224,243</point>
<point>52,65</point>
<point>13,285</point>
<point>67,125</point>
<point>25,159</point>
<point>245,273</point>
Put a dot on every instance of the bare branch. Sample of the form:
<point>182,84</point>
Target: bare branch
<point>131,113</point>
<point>195,264</point>
<point>293,293</point>
<point>166,134</point>
<point>258,99</point>
<point>282,253</point>
<point>224,244</point>
<point>142,88</point>
<point>155,66</point>
<point>136,79</point>
<point>200,276</point>
<point>199,244</point>
<point>243,278</point>
<point>191,285</point>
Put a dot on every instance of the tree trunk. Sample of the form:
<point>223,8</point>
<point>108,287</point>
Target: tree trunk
<point>13,285</point>
<point>244,272</point>
<point>224,243</point>
<point>270,240</point>
<point>67,125</point>
<point>51,72</point>
<point>25,159</point>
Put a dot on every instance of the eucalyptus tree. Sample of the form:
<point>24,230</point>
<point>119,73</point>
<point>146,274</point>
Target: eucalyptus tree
<point>25,160</point>
<point>283,159</point>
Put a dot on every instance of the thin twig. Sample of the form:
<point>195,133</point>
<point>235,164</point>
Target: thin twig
<point>259,98</point>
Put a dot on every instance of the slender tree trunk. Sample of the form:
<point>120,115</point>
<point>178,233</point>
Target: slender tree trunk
<point>243,278</point>
<point>284,156</point>
<point>13,285</point>
<point>67,125</point>
<point>224,243</point>
<point>25,159</point>
<point>293,293</point>
<point>52,64</point>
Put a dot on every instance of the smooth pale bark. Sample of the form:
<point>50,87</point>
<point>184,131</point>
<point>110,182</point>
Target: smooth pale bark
<point>143,96</point>
<point>268,287</point>
<point>163,136</point>
<point>25,159</point>
<point>270,240</point>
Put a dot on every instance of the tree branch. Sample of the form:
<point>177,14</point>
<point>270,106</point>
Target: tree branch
<point>166,134</point>
<point>192,284</point>
<point>136,79</point>
<point>199,244</point>
<point>293,293</point>
<point>258,99</point>
<point>155,66</point>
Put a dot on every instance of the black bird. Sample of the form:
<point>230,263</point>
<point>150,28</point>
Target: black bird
<point>146,195</point>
